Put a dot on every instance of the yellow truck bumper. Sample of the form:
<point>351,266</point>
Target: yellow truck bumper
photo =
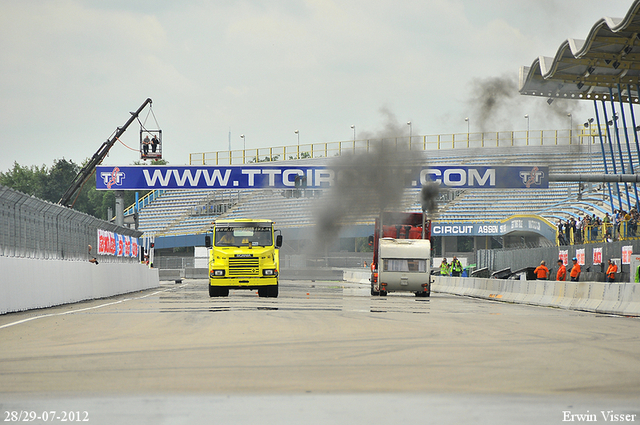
<point>243,282</point>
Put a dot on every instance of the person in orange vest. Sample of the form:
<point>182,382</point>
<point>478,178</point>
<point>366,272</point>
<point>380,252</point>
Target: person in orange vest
<point>541,272</point>
<point>611,271</point>
<point>562,272</point>
<point>575,270</point>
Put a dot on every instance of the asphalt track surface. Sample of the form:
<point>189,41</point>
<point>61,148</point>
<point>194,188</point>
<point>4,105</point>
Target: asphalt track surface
<point>322,352</point>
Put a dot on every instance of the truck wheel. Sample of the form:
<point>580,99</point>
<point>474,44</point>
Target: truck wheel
<point>374,293</point>
<point>224,292</point>
<point>383,293</point>
<point>272,291</point>
<point>214,291</point>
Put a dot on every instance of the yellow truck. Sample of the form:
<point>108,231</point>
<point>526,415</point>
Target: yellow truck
<point>244,254</point>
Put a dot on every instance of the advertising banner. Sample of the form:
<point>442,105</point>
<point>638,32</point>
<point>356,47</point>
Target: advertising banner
<point>597,256</point>
<point>110,243</point>
<point>518,223</point>
<point>580,255</point>
<point>314,177</point>
<point>564,256</point>
<point>627,251</point>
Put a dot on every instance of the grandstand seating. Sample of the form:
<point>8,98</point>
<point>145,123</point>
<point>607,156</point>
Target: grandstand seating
<point>192,211</point>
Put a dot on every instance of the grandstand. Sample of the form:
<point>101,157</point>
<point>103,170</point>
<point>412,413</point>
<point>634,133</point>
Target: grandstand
<point>179,212</point>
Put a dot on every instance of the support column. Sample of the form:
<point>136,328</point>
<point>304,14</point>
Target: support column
<point>119,207</point>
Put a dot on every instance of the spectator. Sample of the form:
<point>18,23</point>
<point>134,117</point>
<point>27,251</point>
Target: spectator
<point>561,239</point>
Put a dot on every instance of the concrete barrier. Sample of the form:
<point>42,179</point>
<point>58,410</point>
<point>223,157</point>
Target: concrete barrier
<point>610,299</point>
<point>598,297</point>
<point>27,283</point>
<point>630,294</point>
<point>171,274</point>
<point>357,275</point>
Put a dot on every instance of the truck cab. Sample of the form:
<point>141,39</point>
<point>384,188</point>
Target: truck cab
<point>244,254</point>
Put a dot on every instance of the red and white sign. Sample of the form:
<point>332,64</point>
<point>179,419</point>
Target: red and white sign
<point>597,256</point>
<point>564,256</point>
<point>627,251</point>
<point>580,256</point>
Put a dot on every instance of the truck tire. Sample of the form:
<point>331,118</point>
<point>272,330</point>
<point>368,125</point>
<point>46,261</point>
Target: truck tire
<point>268,291</point>
<point>383,293</point>
<point>218,291</point>
<point>272,291</point>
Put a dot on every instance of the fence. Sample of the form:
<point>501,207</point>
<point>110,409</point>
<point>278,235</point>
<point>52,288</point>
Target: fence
<point>414,143</point>
<point>625,230</point>
<point>33,228</point>
<point>516,259</point>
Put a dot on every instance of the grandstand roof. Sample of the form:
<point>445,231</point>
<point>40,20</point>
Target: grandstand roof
<point>591,68</point>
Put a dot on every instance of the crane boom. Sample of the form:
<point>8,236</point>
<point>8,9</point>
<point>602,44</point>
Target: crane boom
<point>96,159</point>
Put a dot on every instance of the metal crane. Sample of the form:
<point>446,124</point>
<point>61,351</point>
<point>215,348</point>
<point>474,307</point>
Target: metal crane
<point>96,159</point>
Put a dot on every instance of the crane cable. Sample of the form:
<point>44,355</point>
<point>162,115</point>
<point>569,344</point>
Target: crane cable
<point>128,147</point>
<point>142,124</point>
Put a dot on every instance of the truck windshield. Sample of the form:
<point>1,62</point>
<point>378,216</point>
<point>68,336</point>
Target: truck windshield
<point>243,236</point>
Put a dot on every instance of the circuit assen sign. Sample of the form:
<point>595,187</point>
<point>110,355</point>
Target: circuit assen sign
<point>494,228</point>
<point>313,177</point>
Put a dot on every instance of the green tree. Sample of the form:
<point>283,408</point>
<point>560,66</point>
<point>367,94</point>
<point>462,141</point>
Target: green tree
<point>51,183</point>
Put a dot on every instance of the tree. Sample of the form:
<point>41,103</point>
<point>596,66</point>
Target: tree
<point>51,183</point>
<point>29,180</point>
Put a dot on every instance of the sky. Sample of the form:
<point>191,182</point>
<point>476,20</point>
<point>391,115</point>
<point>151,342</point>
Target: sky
<point>72,70</point>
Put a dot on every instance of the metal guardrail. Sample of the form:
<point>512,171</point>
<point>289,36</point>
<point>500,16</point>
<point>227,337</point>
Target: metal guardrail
<point>144,201</point>
<point>626,230</point>
<point>414,143</point>
<point>33,228</point>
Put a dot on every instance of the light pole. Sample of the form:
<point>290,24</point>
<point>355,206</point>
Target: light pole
<point>527,117</point>
<point>570,127</point>
<point>354,133</point>
<point>410,132</point>
<point>298,134</point>
<point>588,125</point>
<point>467,120</point>
<point>244,146</point>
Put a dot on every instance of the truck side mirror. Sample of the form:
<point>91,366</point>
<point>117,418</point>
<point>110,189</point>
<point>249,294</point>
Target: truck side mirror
<point>207,241</point>
<point>278,241</point>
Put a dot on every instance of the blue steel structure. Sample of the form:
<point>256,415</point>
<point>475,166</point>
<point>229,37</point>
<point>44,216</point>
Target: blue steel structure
<point>590,69</point>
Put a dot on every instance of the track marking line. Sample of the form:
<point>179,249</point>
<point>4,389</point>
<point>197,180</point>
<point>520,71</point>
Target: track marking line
<point>87,308</point>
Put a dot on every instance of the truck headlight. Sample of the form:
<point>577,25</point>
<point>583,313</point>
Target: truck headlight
<point>268,272</point>
<point>216,273</point>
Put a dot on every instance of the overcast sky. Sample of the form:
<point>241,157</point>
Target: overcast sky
<point>71,70</point>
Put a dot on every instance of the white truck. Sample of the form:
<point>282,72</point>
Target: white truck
<point>402,256</point>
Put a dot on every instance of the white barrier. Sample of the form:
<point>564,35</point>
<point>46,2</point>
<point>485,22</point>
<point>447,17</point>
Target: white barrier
<point>27,283</point>
<point>598,297</point>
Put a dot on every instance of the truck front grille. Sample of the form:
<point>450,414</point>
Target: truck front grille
<point>244,267</point>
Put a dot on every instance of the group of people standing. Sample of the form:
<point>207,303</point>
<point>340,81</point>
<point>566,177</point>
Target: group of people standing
<point>621,224</point>
<point>542,272</point>
<point>451,269</point>
<point>153,142</point>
